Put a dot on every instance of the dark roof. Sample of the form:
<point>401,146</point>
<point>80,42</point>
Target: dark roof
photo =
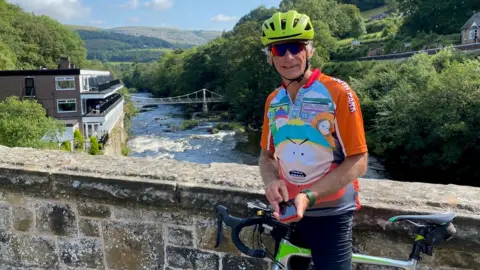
<point>475,18</point>
<point>40,72</point>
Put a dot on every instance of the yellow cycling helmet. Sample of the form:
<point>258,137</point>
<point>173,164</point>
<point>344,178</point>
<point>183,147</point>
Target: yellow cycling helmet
<point>289,25</point>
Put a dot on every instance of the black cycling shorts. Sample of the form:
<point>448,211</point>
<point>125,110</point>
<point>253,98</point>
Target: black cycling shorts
<point>329,238</point>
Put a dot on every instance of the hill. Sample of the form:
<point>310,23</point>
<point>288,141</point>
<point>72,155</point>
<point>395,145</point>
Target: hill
<point>179,37</point>
<point>29,42</point>
<point>143,44</point>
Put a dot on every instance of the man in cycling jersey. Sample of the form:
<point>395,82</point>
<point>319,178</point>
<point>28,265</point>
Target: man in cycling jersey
<point>313,143</point>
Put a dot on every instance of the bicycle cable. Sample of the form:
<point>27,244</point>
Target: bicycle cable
<point>270,254</point>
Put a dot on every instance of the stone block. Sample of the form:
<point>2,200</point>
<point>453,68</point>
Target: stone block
<point>170,216</point>
<point>18,250</point>
<point>127,213</point>
<point>180,236</point>
<point>89,227</point>
<point>56,218</point>
<point>81,252</point>
<point>159,193</point>
<point>205,198</point>
<point>132,245</point>
<point>239,263</point>
<point>22,218</point>
<point>187,258</point>
<point>23,179</point>
<point>455,258</point>
<point>93,210</point>
<point>5,217</point>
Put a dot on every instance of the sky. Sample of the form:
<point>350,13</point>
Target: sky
<point>183,14</point>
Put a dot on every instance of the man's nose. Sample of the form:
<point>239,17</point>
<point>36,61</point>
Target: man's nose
<point>288,55</point>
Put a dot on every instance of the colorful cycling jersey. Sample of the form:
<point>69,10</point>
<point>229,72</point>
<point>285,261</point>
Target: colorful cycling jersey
<point>312,135</point>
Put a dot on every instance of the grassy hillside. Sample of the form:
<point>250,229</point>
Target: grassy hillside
<point>143,44</point>
<point>172,35</point>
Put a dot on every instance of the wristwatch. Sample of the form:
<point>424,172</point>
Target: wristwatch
<point>310,196</point>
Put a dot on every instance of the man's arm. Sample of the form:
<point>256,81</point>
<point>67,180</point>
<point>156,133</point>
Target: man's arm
<point>351,168</point>
<point>268,167</point>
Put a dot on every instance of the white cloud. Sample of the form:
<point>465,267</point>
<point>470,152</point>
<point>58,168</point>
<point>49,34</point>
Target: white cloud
<point>133,19</point>
<point>222,18</point>
<point>159,4</point>
<point>131,4</point>
<point>58,9</point>
<point>97,22</point>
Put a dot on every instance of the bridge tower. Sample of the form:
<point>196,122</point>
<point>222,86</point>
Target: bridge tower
<point>204,105</point>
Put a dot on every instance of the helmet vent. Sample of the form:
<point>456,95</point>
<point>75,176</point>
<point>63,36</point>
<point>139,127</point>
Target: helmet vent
<point>272,26</point>
<point>284,24</point>
<point>295,22</point>
<point>265,25</point>
<point>308,27</point>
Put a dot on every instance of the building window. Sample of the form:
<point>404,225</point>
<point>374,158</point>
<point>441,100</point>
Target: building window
<point>66,105</point>
<point>85,84</point>
<point>29,87</point>
<point>65,83</point>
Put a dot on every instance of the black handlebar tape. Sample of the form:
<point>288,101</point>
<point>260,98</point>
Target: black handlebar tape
<point>237,224</point>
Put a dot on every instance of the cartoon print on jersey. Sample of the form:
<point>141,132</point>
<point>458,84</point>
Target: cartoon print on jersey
<point>300,147</point>
<point>324,123</point>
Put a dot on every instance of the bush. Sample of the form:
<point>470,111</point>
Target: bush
<point>78,140</point>
<point>66,146</point>
<point>94,148</point>
<point>189,124</point>
<point>423,116</point>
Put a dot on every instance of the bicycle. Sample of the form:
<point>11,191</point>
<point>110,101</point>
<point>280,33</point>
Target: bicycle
<point>436,228</point>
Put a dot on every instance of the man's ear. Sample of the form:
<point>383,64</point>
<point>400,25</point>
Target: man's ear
<point>310,51</point>
<point>270,59</point>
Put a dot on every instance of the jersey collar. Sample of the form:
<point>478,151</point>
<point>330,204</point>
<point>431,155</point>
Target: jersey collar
<point>315,74</point>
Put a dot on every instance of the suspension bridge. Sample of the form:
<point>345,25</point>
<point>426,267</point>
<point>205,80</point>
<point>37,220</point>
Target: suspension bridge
<point>204,96</point>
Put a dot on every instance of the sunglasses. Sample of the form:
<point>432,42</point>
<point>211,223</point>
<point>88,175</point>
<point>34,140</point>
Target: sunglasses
<point>281,49</point>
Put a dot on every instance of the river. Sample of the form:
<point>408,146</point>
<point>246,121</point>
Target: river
<point>152,136</point>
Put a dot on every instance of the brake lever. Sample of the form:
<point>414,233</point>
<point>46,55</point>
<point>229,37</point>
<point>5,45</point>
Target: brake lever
<point>219,230</point>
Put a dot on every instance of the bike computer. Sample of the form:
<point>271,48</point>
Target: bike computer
<point>288,211</point>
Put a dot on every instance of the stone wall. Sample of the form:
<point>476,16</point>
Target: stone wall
<point>116,139</point>
<point>61,210</point>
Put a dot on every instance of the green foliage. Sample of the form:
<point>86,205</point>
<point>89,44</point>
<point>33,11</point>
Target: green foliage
<point>364,4</point>
<point>66,146</point>
<point>230,126</point>
<point>112,46</point>
<point>189,124</point>
<point>418,112</point>
<point>24,124</point>
<point>29,41</point>
<point>78,140</point>
<point>441,17</point>
<point>94,148</point>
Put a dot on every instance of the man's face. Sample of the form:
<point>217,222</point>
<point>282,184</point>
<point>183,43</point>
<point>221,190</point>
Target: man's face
<point>289,58</point>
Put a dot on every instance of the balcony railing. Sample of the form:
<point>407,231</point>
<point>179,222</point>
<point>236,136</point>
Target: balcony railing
<point>106,85</point>
<point>106,107</point>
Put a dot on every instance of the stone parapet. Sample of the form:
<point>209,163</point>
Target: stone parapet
<point>62,210</point>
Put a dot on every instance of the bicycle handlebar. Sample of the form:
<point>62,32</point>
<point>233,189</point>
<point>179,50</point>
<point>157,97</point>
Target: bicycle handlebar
<point>237,224</point>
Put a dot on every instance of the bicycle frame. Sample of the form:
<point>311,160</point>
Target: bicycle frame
<point>287,250</point>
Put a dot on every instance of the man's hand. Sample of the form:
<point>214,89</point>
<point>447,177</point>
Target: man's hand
<point>301,203</point>
<point>276,192</point>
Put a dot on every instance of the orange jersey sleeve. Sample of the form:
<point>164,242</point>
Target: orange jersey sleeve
<point>349,126</point>
<point>266,141</point>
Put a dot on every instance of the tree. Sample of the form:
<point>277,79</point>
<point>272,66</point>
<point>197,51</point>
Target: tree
<point>441,17</point>
<point>24,124</point>
<point>78,140</point>
<point>422,117</point>
<point>94,148</point>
